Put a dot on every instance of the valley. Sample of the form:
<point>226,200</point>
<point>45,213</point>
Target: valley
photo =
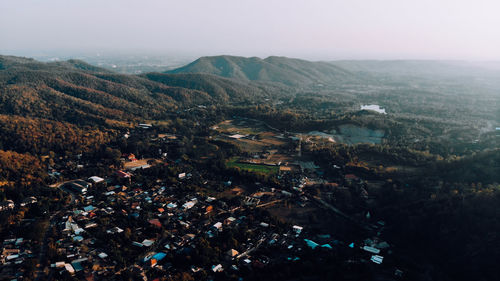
<point>261,169</point>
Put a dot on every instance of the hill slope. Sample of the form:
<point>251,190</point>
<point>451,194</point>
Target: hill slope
<point>291,72</point>
<point>72,100</point>
<point>70,90</point>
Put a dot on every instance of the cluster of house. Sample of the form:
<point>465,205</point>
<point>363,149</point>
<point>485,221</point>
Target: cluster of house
<point>10,205</point>
<point>162,221</point>
<point>371,249</point>
<point>15,252</point>
<point>151,225</point>
<point>156,208</point>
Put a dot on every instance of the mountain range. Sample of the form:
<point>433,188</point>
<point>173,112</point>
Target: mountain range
<point>76,91</point>
<point>40,95</point>
<point>81,105</point>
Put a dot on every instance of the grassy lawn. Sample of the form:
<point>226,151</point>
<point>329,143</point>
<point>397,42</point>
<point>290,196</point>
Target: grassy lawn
<point>233,163</point>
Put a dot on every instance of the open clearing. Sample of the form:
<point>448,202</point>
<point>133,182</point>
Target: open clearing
<point>255,136</point>
<point>257,168</point>
<point>135,164</point>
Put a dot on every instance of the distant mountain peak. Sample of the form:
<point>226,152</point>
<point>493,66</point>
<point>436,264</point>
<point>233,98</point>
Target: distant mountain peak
<point>277,69</point>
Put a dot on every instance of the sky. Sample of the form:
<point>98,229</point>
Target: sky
<point>310,29</point>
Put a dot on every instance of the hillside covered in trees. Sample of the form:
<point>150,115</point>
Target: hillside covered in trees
<point>75,101</point>
<point>287,71</point>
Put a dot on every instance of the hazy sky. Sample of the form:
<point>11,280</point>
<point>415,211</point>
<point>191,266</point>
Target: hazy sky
<point>314,29</point>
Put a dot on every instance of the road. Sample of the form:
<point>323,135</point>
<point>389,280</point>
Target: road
<point>60,186</point>
<point>268,203</point>
<point>340,213</point>
<point>42,256</point>
<point>247,252</point>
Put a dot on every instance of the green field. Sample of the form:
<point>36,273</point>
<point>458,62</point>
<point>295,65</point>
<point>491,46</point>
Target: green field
<point>265,169</point>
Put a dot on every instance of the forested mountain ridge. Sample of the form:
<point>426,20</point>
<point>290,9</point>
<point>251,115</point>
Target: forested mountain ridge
<point>222,89</point>
<point>22,63</point>
<point>62,105</point>
<point>66,90</point>
<point>287,71</point>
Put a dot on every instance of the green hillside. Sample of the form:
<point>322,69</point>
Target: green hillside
<point>287,71</point>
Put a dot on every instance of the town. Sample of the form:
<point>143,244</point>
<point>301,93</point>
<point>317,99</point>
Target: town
<point>167,215</point>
